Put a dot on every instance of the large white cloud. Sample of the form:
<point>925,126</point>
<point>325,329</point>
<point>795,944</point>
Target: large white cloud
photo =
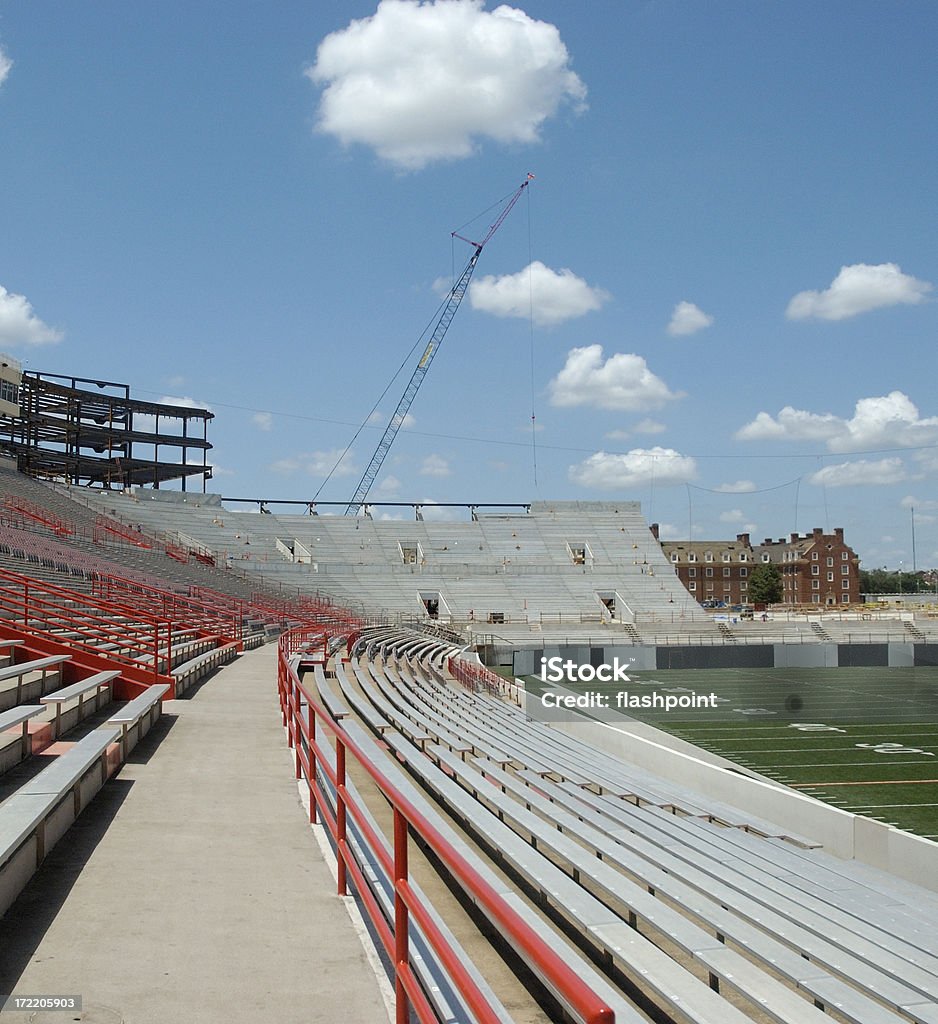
<point>421,81</point>
<point>891,420</point>
<point>636,468</point>
<point>622,382</point>
<point>5,65</point>
<point>19,325</point>
<point>858,289</point>
<point>861,473</point>
<point>688,318</point>
<point>550,296</point>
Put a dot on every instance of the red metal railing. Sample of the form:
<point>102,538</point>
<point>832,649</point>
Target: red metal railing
<point>303,736</point>
<point>477,677</point>
<point>68,621</point>
<point>107,529</point>
<point>38,514</point>
<point>225,621</point>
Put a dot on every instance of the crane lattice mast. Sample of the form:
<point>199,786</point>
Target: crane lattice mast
<point>453,300</point>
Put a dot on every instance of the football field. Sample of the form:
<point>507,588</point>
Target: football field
<point>864,740</point>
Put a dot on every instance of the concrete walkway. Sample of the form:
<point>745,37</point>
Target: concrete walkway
<point>192,888</point>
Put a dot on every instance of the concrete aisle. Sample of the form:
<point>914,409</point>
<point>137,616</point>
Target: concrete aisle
<point>192,888</point>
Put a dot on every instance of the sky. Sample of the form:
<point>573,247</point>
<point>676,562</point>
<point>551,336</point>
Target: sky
<point>717,296</point>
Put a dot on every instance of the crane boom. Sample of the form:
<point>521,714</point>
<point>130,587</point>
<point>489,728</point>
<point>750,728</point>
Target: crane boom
<point>453,300</point>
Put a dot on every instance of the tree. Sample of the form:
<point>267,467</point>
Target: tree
<point>765,584</point>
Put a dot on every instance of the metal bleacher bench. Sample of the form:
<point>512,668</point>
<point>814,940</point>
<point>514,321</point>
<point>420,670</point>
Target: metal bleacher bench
<point>131,713</point>
<point>24,668</point>
<point>27,812</point>
<point>99,682</point>
<point>20,716</point>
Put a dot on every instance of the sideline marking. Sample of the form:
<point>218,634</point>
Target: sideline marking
<point>899,782</point>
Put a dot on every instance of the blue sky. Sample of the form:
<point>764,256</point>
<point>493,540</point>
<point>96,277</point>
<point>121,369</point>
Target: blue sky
<point>717,296</point>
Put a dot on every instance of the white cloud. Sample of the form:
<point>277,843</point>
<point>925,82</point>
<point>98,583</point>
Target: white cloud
<point>318,463</point>
<point>861,473</point>
<point>636,468</point>
<point>5,65</point>
<point>688,319</point>
<point>420,82</point>
<point>738,487</point>
<point>859,289</point>
<point>263,420</point>
<point>550,296</point>
<point>919,504</point>
<point>622,382</point>
<point>649,427</point>
<point>433,512</point>
<point>434,465</point>
<point>389,487</point>
<point>184,402</point>
<point>884,421</point>
<point>19,325</point>
<point>736,517</point>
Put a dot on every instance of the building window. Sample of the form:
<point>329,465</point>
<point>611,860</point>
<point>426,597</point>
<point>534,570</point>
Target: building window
<point>845,570</point>
<point>816,598</point>
<point>830,559</point>
<point>9,392</point>
<point>815,584</point>
<point>708,556</point>
<point>765,557</point>
<point>815,570</point>
<point>727,571</point>
<point>845,584</point>
<point>726,556</point>
<point>743,573</point>
<point>743,587</point>
<point>844,556</point>
<point>692,585</point>
<point>692,557</point>
<point>674,556</point>
<point>709,570</point>
<point>692,572</point>
<point>830,577</point>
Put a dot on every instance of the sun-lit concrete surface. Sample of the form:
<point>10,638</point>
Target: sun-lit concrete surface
<point>192,888</point>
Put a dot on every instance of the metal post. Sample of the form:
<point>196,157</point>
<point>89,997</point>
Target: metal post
<point>313,786</point>
<point>340,843</point>
<point>401,944</point>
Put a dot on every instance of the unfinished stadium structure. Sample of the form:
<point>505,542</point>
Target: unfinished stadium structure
<point>161,648</point>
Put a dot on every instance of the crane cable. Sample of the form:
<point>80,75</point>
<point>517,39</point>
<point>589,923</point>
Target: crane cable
<point>531,329</point>
<point>404,363</point>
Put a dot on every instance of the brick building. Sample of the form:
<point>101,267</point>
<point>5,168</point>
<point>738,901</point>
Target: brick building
<point>817,568</point>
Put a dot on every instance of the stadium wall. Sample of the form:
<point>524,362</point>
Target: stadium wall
<point>525,661</point>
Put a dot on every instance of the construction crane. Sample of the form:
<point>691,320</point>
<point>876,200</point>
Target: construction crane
<point>450,306</point>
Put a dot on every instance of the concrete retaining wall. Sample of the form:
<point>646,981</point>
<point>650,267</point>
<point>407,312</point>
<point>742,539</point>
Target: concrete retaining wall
<point>526,661</point>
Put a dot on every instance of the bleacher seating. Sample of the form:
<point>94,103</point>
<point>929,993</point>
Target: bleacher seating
<point>710,912</point>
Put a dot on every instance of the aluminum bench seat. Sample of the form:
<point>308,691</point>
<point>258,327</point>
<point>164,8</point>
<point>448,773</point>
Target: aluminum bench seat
<point>735,916</point>
<point>628,949</point>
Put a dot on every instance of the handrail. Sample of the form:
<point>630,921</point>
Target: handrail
<point>586,1005</point>
<point>225,622</point>
<point>44,609</point>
